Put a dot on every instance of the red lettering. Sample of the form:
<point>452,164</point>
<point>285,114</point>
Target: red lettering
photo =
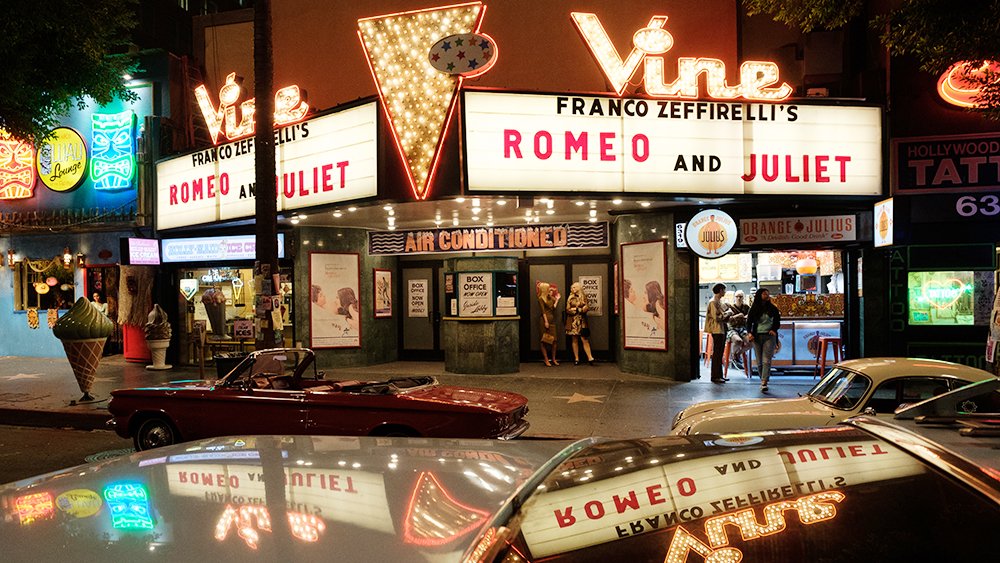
<point>788,168</point>
<point>654,494</point>
<point>327,177</point>
<point>224,183</point>
<point>594,510</point>
<point>173,194</point>
<point>566,519</point>
<point>211,186</point>
<point>511,143</point>
<point>636,154</point>
<point>606,147</point>
<point>856,451</point>
<point>197,189</point>
<point>539,153</point>
<point>343,172</point>
<point>843,160</point>
<point>821,161</point>
<point>578,144</point>
<point>628,502</point>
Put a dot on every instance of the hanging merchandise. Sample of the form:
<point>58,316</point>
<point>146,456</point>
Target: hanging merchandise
<point>41,287</point>
<point>33,318</point>
<point>52,317</point>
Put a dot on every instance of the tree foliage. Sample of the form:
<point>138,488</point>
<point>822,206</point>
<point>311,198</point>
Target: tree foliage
<point>937,33</point>
<point>57,53</point>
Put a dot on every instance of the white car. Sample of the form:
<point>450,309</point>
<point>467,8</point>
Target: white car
<point>874,386</point>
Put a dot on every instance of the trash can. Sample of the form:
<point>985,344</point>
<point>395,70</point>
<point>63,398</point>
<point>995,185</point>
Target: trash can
<point>225,362</point>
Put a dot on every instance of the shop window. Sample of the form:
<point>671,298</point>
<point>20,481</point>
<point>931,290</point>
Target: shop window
<point>941,298</point>
<point>43,284</point>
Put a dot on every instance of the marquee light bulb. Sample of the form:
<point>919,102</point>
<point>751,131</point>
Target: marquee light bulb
<point>397,46</point>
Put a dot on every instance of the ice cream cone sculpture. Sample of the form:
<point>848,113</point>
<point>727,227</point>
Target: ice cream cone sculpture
<point>83,331</point>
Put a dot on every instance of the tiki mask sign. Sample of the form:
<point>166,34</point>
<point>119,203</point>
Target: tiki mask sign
<point>17,168</point>
<point>112,162</point>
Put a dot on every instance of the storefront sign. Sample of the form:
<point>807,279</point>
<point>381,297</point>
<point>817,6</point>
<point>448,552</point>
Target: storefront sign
<point>319,161</point>
<point>62,160</point>
<point>758,80</point>
<point>527,142</point>
<point>884,223</point>
<point>956,85</point>
<point>17,168</point>
<point>210,249</point>
<point>711,233</point>
<point>143,252</point>
<point>946,163</point>
<point>417,295</point>
<point>289,107</point>
<point>112,164</point>
<point>593,288</point>
<point>529,237</point>
<point>475,294</point>
<point>955,207</point>
<point>778,230</point>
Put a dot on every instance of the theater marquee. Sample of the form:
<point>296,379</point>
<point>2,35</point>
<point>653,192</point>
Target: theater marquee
<point>522,142</point>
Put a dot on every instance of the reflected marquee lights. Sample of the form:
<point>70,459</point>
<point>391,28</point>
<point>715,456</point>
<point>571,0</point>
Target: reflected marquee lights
<point>17,167</point>
<point>417,98</point>
<point>250,520</point>
<point>33,507</point>
<point>289,107</point>
<point>811,509</point>
<point>756,77</point>
<point>434,517</point>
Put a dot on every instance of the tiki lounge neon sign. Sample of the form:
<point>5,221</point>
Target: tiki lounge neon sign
<point>289,107</point>
<point>648,43</point>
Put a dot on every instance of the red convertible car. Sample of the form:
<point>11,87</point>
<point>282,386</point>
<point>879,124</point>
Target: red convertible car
<point>280,391</point>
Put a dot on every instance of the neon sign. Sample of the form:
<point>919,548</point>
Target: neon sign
<point>811,509</point>
<point>959,85</point>
<point>648,43</point>
<point>289,107</point>
<point>129,506</point>
<point>62,160</point>
<point>17,168</point>
<point>34,507</point>
<point>417,98</point>
<point>434,517</point>
<point>249,521</point>
<point>112,162</point>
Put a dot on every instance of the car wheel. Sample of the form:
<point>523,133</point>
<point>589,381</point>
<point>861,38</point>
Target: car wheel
<point>154,433</point>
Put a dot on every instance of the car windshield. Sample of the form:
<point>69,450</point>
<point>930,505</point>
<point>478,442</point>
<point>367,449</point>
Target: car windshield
<point>841,388</point>
<point>271,363</point>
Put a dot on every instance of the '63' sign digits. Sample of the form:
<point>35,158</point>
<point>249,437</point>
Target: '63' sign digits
<point>970,205</point>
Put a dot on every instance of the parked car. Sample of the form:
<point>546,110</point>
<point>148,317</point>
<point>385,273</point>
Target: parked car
<point>869,489</point>
<point>280,391</point>
<point>874,386</point>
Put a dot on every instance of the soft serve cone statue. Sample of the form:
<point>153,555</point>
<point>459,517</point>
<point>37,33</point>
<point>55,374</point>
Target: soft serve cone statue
<point>83,331</point>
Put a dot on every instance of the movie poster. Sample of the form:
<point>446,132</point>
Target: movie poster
<point>383,294</point>
<point>643,290</point>
<point>334,310</point>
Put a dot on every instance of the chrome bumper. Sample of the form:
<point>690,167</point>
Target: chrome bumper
<point>111,424</point>
<point>515,431</point>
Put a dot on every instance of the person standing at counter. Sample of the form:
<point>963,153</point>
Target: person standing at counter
<point>716,326</point>
<point>763,321</point>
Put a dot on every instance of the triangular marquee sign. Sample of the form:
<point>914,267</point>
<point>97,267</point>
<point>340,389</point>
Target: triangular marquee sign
<point>417,98</point>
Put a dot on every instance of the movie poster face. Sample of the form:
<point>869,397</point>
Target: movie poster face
<point>334,310</point>
<point>383,294</point>
<point>643,290</point>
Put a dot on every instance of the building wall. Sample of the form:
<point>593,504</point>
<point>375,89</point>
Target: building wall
<point>678,361</point>
<point>379,337</point>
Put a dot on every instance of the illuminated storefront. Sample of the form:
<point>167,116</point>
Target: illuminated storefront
<point>458,118</point>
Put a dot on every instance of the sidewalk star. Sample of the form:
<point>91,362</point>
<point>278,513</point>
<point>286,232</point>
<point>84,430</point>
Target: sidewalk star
<point>578,398</point>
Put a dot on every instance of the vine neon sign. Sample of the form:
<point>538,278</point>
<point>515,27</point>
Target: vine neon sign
<point>289,107</point>
<point>757,78</point>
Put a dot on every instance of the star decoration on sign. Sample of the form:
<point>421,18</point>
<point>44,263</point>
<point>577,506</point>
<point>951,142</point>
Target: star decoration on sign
<point>578,398</point>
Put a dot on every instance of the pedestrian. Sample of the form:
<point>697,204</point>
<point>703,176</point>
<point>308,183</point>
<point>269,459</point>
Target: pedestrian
<point>577,326</point>
<point>715,325</point>
<point>763,322</point>
<point>548,299</point>
<point>102,307</point>
<point>736,320</point>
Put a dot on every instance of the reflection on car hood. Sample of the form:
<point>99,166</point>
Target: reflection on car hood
<point>293,498</point>
<point>499,401</point>
<point>762,414</point>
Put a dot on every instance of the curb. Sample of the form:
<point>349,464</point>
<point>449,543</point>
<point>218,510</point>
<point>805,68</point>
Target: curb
<point>94,420</point>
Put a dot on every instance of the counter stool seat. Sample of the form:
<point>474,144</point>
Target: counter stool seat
<point>834,343</point>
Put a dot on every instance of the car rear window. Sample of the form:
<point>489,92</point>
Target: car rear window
<point>845,497</point>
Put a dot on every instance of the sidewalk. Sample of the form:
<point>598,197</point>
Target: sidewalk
<point>563,401</point>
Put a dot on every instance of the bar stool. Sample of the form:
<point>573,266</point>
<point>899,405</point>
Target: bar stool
<point>726,357</point>
<point>825,343</point>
